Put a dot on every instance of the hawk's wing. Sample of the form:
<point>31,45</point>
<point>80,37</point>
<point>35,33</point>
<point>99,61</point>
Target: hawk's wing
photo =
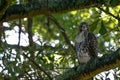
<point>93,45</point>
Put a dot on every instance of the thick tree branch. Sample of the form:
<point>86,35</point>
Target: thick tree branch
<point>41,7</point>
<point>93,67</point>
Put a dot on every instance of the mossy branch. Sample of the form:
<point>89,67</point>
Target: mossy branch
<point>93,67</point>
<point>38,7</point>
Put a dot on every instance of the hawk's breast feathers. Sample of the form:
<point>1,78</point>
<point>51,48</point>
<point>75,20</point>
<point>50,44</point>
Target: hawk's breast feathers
<point>86,46</point>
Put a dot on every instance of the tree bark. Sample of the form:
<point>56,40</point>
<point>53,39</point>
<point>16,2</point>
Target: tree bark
<point>38,7</point>
<point>93,67</point>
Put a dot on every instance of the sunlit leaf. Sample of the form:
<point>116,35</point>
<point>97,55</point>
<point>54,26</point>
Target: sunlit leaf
<point>73,12</point>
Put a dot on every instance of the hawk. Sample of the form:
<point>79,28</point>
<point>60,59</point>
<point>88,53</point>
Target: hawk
<point>86,44</point>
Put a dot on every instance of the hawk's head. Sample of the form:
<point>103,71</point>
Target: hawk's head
<point>83,27</point>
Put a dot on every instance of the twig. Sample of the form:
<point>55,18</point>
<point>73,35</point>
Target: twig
<point>62,30</point>
<point>116,17</point>
<point>37,65</point>
<point>30,34</point>
<point>3,32</point>
<point>25,48</point>
<point>28,75</point>
<point>20,25</point>
<point>19,33</point>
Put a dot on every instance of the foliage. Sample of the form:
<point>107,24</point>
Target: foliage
<point>50,54</point>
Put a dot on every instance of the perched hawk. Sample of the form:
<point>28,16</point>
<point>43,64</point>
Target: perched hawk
<point>86,44</point>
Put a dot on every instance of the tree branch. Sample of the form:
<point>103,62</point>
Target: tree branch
<point>19,33</point>
<point>62,31</point>
<point>37,7</point>
<point>93,67</point>
<point>107,12</point>
<point>36,47</point>
<point>30,33</point>
<point>39,67</point>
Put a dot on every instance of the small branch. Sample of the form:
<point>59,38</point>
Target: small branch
<point>39,67</point>
<point>30,76</point>
<point>93,67</point>
<point>30,38</point>
<point>107,12</point>
<point>62,30</point>
<point>26,48</point>
<point>20,29</point>
<point>30,34</point>
<point>19,33</point>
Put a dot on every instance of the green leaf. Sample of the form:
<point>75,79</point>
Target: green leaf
<point>102,30</point>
